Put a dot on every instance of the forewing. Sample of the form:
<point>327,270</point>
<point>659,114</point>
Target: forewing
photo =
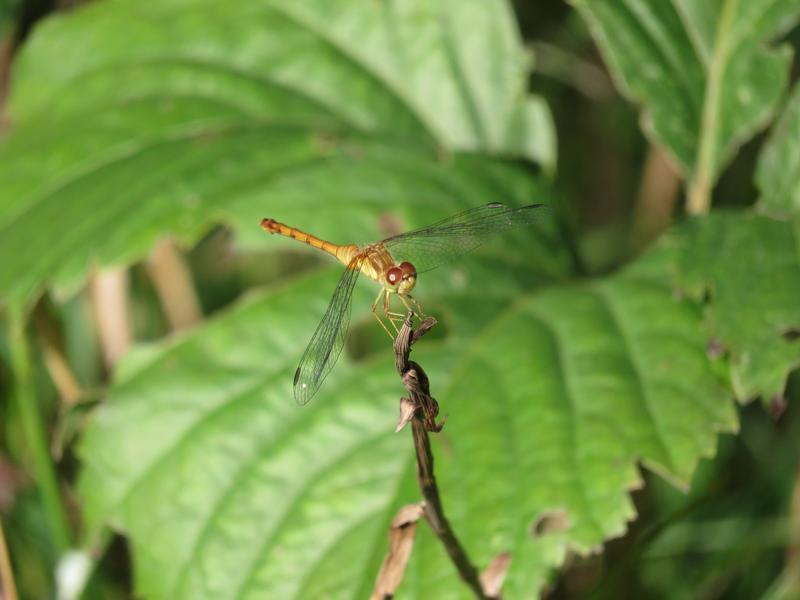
<point>327,342</point>
<point>443,242</point>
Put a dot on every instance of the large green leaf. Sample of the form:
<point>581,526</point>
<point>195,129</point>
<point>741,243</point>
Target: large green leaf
<point>778,173</point>
<point>227,488</point>
<point>127,129</point>
<point>748,268</point>
<point>704,70</point>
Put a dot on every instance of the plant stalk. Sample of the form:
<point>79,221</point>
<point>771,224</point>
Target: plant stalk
<point>109,293</point>
<point>699,195</point>
<point>434,511</point>
<point>33,428</point>
<point>425,410</point>
<point>172,279</point>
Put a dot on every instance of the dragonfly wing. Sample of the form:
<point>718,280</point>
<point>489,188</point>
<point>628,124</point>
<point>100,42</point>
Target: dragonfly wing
<point>443,242</point>
<point>327,342</point>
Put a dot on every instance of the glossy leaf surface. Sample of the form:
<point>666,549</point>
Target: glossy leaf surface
<point>554,395</point>
<point>707,73</point>
<point>144,130</point>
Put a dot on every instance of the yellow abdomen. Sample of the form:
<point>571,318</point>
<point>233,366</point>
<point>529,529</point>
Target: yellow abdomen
<point>344,253</point>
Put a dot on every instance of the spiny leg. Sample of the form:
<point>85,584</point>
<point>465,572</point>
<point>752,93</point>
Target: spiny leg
<point>406,303</point>
<point>401,317</point>
<point>391,313</point>
<point>392,316</point>
<point>417,306</point>
<point>414,306</point>
<point>382,293</point>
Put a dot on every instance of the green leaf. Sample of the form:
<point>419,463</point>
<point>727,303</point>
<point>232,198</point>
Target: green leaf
<point>706,72</point>
<point>143,130</point>
<point>227,488</point>
<point>749,267</point>
<point>778,172</point>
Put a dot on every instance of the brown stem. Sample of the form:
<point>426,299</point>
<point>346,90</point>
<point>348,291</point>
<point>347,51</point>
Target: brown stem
<point>424,420</point>
<point>434,511</point>
<point>55,361</point>
<point>568,68</point>
<point>658,194</point>
<point>109,290</point>
<point>172,280</point>
<point>401,542</point>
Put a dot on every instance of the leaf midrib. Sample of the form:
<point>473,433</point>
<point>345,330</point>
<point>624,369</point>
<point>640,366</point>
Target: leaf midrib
<point>698,201</point>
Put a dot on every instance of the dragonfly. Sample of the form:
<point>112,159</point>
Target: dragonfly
<point>394,264</point>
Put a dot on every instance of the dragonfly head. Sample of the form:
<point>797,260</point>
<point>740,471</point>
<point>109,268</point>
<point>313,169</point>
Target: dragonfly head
<point>401,278</point>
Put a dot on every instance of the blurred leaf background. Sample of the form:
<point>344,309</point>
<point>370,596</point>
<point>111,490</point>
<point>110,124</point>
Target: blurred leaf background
<point>601,366</point>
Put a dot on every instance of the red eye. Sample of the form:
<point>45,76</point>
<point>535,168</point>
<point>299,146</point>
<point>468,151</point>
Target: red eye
<point>408,269</point>
<point>394,275</point>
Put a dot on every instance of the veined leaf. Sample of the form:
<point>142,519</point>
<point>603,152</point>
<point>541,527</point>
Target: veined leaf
<point>333,194</point>
<point>708,72</point>
<point>226,487</point>
<point>748,267</point>
<point>778,173</point>
<point>126,130</point>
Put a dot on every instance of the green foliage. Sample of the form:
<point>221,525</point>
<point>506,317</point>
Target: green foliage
<point>218,114</point>
<point>778,175</point>
<point>552,400</point>
<point>134,121</point>
<point>707,72</point>
<point>749,267</point>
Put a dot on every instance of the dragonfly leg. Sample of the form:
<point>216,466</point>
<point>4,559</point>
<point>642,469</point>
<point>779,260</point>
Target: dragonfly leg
<point>400,318</point>
<point>381,294</point>
<point>406,304</point>
<point>417,306</point>
<point>392,316</point>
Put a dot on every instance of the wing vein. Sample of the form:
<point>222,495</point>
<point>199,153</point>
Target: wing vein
<point>326,344</point>
<point>446,240</point>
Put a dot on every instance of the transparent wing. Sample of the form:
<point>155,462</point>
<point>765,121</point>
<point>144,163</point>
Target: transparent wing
<point>327,342</point>
<point>443,242</point>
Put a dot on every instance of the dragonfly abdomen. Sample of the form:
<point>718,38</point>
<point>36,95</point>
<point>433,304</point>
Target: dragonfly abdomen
<point>343,253</point>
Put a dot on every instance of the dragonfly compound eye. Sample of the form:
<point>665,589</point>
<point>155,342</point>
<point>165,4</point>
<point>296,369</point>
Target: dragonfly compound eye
<point>408,269</point>
<point>394,275</point>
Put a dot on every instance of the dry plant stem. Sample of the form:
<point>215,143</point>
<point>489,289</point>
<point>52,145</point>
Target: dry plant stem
<point>401,542</point>
<point>55,361</point>
<point>568,68</point>
<point>61,374</point>
<point>655,203</point>
<point>434,511</point>
<point>416,383</point>
<point>8,589</point>
<point>109,290</point>
<point>172,280</point>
